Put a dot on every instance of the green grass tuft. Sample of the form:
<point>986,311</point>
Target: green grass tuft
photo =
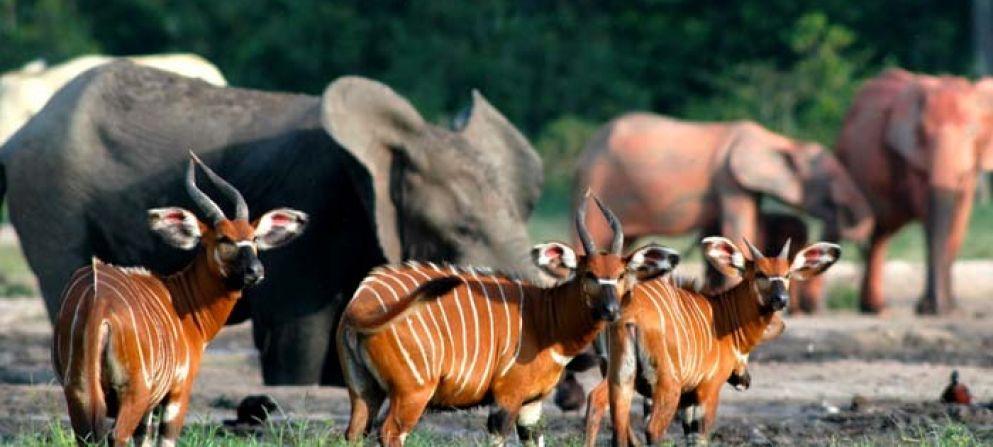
<point>843,296</point>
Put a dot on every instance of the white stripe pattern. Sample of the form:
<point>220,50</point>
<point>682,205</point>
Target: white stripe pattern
<point>460,337</point>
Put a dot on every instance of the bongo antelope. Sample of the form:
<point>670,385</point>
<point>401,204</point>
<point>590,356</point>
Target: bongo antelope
<point>677,346</point>
<point>424,335</point>
<point>128,342</point>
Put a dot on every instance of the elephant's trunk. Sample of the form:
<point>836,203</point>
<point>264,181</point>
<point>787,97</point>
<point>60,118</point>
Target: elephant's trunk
<point>942,207</point>
<point>509,253</point>
<point>853,214</point>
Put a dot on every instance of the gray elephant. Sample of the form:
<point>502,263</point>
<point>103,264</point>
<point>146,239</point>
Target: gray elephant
<point>380,184</point>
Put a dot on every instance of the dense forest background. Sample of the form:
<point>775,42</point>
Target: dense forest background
<point>558,69</point>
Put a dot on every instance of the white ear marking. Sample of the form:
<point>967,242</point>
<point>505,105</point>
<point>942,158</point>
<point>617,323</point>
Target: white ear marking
<point>738,260</point>
<point>277,227</point>
<point>567,256</point>
<point>569,259</point>
<point>815,259</point>
<point>176,226</point>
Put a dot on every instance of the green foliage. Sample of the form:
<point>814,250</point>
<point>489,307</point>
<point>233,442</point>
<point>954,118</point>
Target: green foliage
<point>45,29</point>
<point>559,144</point>
<point>293,432</point>
<point>551,67</point>
<point>843,297</point>
<point>806,99</point>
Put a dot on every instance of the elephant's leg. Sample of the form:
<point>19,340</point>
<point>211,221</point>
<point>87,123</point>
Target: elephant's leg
<point>945,228</point>
<point>808,295</point>
<point>293,350</point>
<point>871,297</point>
<point>54,264</point>
<point>738,221</point>
<point>52,280</point>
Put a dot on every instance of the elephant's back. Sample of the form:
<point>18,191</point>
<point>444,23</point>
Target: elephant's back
<point>647,141</point>
<point>186,64</point>
<point>143,119</point>
<point>654,171</point>
<point>864,122</point>
<point>113,143</point>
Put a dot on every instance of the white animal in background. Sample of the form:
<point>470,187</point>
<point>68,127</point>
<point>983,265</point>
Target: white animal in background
<point>25,91</point>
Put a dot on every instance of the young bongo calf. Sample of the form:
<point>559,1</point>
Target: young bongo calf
<point>127,342</point>
<point>678,346</point>
<point>448,337</point>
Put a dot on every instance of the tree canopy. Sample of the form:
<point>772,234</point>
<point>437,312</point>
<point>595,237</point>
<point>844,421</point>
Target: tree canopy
<point>557,69</point>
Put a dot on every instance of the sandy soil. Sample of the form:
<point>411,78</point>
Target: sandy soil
<point>802,389</point>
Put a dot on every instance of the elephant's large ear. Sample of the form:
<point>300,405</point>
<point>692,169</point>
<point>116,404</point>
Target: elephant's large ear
<point>758,166</point>
<point>984,91</point>
<point>486,128</point>
<point>903,130</point>
<point>373,123</point>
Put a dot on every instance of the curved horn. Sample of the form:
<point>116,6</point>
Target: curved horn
<point>584,233</point>
<point>202,201</point>
<point>785,253</point>
<point>241,208</point>
<point>756,253</point>
<point>617,244</point>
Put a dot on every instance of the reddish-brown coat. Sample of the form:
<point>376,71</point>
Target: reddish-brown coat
<point>129,337</point>
<point>678,346</point>
<point>915,145</point>
<point>545,326</point>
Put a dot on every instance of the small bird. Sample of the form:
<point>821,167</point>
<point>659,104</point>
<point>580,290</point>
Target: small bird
<point>955,392</point>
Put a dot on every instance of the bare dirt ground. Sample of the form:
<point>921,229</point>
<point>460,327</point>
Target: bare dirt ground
<point>803,384</point>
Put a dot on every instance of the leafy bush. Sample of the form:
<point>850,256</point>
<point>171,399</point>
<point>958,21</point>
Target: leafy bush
<point>806,99</point>
<point>843,297</point>
<point>560,144</point>
<point>46,29</point>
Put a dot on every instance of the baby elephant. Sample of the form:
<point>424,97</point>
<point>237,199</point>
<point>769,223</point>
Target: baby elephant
<point>678,346</point>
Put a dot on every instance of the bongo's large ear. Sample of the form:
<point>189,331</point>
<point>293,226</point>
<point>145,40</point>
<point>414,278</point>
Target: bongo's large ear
<point>814,260</point>
<point>724,256</point>
<point>176,226</point>
<point>555,258</point>
<point>279,226</point>
<point>652,261</point>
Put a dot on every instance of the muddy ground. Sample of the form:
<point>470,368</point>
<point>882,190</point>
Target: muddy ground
<point>802,389</point>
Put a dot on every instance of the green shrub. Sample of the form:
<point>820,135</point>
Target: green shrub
<point>806,99</point>
<point>560,144</point>
<point>843,297</point>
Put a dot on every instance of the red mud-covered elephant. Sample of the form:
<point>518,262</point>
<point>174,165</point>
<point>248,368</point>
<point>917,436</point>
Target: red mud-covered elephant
<point>664,176</point>
<point>916,144</point>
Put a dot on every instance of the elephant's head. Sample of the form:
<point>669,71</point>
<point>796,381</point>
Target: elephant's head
<point>984,95</point>
<point>802,175</point>
<point>462,195</point>
<point>941,126</point>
